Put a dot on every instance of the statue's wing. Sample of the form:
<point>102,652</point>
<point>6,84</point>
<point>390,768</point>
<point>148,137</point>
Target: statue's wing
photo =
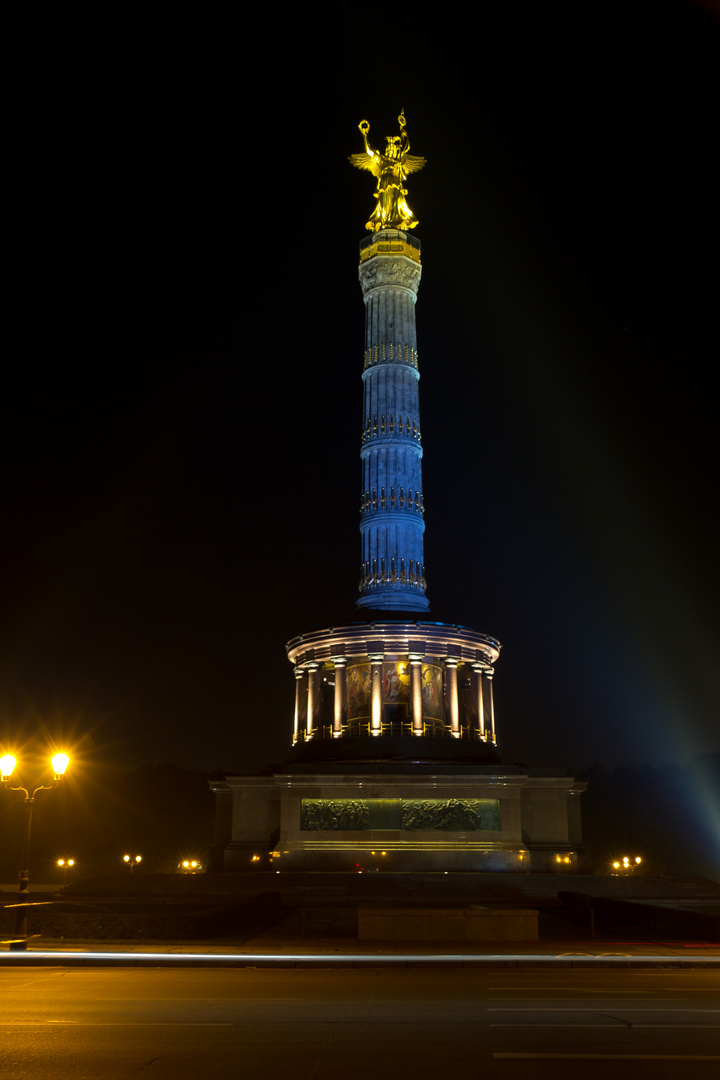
<point>369,162</point>
<point>412,163</point>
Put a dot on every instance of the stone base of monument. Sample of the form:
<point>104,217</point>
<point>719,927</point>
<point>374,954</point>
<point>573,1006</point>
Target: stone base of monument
<point>399,817</point>
<point>447,924</point>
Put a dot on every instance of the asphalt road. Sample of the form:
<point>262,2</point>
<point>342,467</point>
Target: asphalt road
<point>319,1024</point>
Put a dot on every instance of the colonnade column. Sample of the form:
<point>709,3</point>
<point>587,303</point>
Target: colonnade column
<point>340,694</point>
<point>312,670</point>
<point>489,674</point>
<point>478,675</point>
<point>298,687</point>
<point>416,693</point>
<point>451,683</point>
<point>376,660</point>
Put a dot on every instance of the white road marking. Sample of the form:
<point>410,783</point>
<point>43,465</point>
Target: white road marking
<point>612,1022</point>
<point>617,1057</point>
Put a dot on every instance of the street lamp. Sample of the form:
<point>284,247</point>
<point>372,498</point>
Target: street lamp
<point>65,865</point>
<point>132,860</point>
<point>625,867</point>
<point>60,763</point>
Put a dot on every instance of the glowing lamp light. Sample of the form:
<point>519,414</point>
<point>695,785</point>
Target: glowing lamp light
<point>60,763</point>
<point>7,765</point>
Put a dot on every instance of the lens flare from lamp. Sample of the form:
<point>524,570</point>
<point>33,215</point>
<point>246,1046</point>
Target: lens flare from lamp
<point>7,765</point>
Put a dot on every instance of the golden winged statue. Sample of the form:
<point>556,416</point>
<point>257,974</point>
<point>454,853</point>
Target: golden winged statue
<point>391,168</point>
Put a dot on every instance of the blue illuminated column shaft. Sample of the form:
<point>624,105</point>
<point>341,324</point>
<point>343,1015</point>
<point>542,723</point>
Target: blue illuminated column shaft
<point>392,507</point>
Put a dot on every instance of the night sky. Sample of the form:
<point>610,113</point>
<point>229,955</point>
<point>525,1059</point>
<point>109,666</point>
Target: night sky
<point>182,406</point>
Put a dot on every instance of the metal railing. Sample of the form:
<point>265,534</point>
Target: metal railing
<point>362,727</point>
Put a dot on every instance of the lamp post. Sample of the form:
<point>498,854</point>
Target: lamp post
<point>60,763</point>
<point>132,860</point>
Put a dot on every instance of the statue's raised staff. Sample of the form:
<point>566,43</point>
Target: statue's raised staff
<point>392,167</point>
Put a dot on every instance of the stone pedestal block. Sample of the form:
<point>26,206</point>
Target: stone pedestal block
<point>447,924</point>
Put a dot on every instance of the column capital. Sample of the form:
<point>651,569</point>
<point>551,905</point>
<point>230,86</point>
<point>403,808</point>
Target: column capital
<point>393,269</point>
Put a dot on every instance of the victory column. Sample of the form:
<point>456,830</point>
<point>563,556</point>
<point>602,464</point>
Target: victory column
<point>393,743</point>
<point>393,676</point>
